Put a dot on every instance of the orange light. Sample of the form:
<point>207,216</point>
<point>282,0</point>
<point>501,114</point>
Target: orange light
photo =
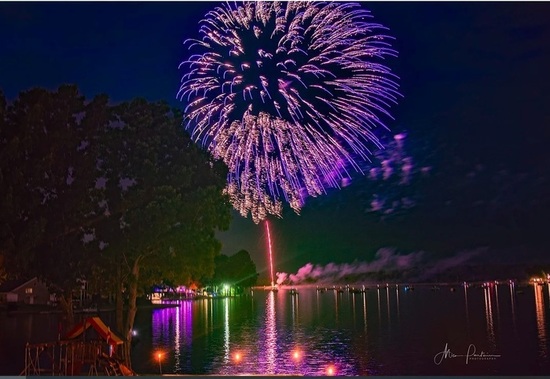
<point>159,355</point>
<point>331,370</point>
<point>238,357</point>
<point>296,355</point>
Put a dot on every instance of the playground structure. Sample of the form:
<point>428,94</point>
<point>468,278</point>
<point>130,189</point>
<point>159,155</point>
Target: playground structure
<point>76,354</point>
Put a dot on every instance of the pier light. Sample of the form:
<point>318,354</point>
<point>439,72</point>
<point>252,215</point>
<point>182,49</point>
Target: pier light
<point>159,355</point>
<point>296,355</point>
<point>238,357</point>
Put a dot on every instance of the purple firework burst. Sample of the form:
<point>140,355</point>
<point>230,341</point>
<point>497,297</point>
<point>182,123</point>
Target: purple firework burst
<point>287,94</point>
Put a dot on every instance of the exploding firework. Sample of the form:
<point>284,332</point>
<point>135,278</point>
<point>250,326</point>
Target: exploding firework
<point>288,94</point>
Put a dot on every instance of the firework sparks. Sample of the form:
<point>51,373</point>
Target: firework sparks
<point>288,95</point>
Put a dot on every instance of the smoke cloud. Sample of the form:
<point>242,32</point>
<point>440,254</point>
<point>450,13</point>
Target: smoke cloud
<point>386,265</point>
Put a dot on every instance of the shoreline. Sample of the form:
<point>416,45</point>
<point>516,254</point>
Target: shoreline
<point>44,309</point>
<point>48,309</point>
<point>171,303</point>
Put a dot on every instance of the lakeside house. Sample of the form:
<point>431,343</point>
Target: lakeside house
<point>24,291</point>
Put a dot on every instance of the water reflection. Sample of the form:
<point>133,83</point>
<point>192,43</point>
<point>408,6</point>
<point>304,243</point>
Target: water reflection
<point>294,299</point>
<point>397,301</point>
<point>282,345</point>
<point>226,346</point>
<point>162,327</point>
<point>353,307</point>
<point>388,304</point>
<point>497,306</point>
<point>172,330</point>
<point>305,339</point>
<point>271,333</point>
<point>489,315</point>
<point>466,308</point>
<point>379,308</point>
<point>197,334</point>
<point>317,303</point>
<point>210,314</point>
<point>513,303</point>
<point>177,344</point>
<point>365,312</point>
<point>541,321</point>
<point>336,304</point>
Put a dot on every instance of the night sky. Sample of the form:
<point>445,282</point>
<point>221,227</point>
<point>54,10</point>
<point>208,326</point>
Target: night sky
<point>475,111</point>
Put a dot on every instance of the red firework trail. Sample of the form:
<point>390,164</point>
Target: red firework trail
<point>270,252</point>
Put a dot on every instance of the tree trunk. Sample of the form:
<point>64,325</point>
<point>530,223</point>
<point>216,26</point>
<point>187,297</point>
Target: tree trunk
<point>66,302</point>
<point>119,303</point>
<point>132,309</point>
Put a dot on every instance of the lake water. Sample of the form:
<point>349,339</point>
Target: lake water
<point>386,331</point>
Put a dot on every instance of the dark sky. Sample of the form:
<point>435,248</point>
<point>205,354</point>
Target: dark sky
<point>476,113</point>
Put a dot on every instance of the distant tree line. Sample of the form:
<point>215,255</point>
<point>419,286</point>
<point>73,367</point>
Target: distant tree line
<point>114,194</point>
<point>237,270</point>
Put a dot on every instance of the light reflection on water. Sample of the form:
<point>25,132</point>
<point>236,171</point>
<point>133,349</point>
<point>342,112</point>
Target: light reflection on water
<point>200,337</point>
<point>226,332</point>
<point>365,312</point>
<point>271,334</point>
<point>379,307</point>
<point>512,286</point>
<point>488,293</point>
<point>388,305</point>
<point>541,321</point>
<point>331,329</point>
<point>466,308</point>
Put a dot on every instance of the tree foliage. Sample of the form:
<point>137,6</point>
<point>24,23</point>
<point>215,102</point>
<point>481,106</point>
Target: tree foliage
<point>161,201</point>
<point>116,194</point>
<point>160,196</point>
<point>237,270</point>
<point>46,177</point>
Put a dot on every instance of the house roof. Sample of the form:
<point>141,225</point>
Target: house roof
<point>12,285</point>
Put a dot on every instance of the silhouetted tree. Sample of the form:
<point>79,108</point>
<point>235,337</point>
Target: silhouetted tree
<point>118,195</point>
<point>237,270</point>
<point>46,177</point>
<point>162,200</point>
